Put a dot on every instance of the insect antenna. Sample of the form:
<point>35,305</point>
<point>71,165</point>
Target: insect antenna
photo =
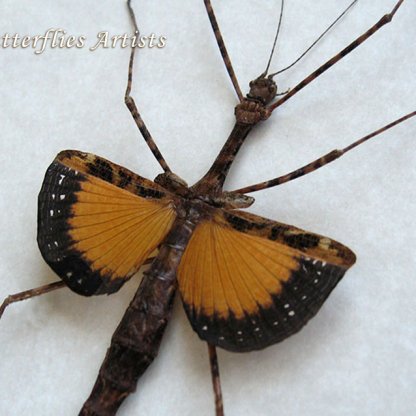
<point>387,18</point>
<point>275,39</point>
<point>313,43</point>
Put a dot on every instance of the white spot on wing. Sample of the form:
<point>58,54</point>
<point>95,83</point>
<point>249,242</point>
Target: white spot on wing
<point>60,180</point>
<point>62,197</point>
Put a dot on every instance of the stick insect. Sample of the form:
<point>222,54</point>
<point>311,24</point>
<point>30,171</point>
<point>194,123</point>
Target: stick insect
<point>290,221</point>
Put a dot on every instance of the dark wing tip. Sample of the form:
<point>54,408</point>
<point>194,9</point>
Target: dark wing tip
<point>56,197</point>
<point>300,299</point>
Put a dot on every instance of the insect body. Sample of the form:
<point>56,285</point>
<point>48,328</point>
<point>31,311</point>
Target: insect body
<point>246,281</point>
<point>193,214</point>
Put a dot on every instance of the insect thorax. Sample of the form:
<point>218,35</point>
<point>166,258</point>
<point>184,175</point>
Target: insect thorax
<point>223,199</point>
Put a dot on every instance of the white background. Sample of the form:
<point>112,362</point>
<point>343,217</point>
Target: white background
<point>357,357</point>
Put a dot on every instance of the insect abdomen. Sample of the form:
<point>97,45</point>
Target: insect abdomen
<point>136,341</point>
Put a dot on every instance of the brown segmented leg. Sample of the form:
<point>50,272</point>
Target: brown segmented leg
<point>216,382</point>
<point>131,105</point>
<point>384,20</point>
<point>41,290</point>
<point>322,161</point>
<point>223,49</point>
<point>31,293</point>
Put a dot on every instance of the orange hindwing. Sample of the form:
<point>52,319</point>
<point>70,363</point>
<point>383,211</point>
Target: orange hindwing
<point>98,222</point>
<point>248,282</point>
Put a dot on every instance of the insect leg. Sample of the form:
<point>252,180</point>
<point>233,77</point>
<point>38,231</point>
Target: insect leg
<point>216,382</point>
<point>223,49</point>
<point>322,161</point>
<point>31,293</point>
<point>41,290</point>
<point>131,105</point>
<point>384,20</point>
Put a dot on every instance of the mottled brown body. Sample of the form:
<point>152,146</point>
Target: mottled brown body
<point>226,305</point>
<point>248,113</point>
<point>136,340</point>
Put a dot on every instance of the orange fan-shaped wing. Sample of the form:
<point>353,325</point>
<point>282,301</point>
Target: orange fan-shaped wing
<point>248,282</point>
<point>98,222</point>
